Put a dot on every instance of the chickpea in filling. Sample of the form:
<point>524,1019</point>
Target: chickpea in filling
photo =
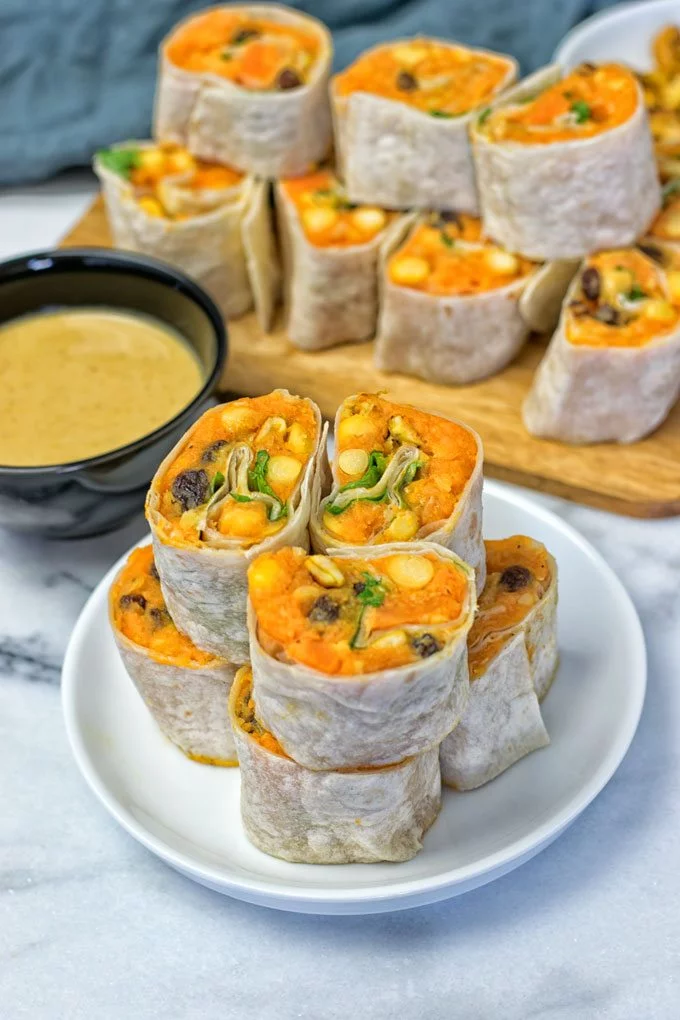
<point>399,471</point>
<point>666,226</point>
<point>196,186</point>
<point>518,577</point>
<point>436,78</point>
<point>328,219</point>
<point>255,53</point>
<point>140,614</point>
<point>625,299</point>
<point>237,474</point>
<point>585,103</point>
<point>345,617</point>
<point>448,255</point>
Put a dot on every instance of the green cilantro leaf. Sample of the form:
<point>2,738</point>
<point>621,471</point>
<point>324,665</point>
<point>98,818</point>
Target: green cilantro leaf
<point>119,161</point>
<point>370,591</point>
<point>448,241</point>
<point>484,116</point>
<point>377,462</point>
<point>217,482</point>
<point>440,113</point>
<point>257,480</point>
<point>636,293</point>
<point>581,111</point>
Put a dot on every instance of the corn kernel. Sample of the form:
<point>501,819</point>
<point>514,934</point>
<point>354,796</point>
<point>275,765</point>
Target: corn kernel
<point>265,574</point>
<point>661,310</point>
<point>151,206</point>
<point>319,219</point>
<point>412,572</point>
<point>408,54</point>
<point>152,161</point>
<point>502,262</point>
<point>409,271</point>
<point>298,440</point>
<point>353,461</point>
<point>369,219</point>
<point>283,470</point>
<point>402,528</point>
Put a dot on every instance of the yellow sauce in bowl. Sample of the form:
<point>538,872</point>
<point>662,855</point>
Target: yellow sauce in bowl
<point>81,382</point>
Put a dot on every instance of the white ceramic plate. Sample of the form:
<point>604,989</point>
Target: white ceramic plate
<point>621,33</point>
<point>188,814</point>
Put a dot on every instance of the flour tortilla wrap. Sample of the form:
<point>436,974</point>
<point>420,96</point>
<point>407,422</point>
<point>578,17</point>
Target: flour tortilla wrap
<point>565,199</point>
<point>271,134</point>
<point>189,703</point>
<point>331,293</point>
<point>586,394</point>
<point>328,722</point>
<point>453,339</point>
<point>363,816</point>
<point>502,722</point>
<point>461,532</point>
<point>402,158</point>
<point>205,587</point>
<point>229,250</point>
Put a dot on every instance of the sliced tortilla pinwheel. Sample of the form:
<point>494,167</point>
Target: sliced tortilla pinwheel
<point>358,658</point>
<point>402,113</point>
<point>512,659</point>
<point>450,310</point>
<point>237,484</point>
<point>666,226</point>
<point>185,690</point>
<point>208,220</point>
<point>361,816</point>
<point>331,252</point>
<point>612,369</point>
<point>400,474</point>
<point>565,164</point>
<point>247,85</point>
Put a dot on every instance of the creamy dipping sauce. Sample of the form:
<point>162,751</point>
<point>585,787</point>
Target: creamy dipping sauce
<point>85,381</point>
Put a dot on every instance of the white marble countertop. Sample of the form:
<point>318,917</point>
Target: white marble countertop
<point>93,926</point>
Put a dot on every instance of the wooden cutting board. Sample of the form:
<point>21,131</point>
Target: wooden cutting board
<point>641,480</point>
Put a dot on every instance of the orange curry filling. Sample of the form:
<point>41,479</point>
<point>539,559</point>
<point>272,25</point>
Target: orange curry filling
<point>244,708</point>
<point>518,577</point>
<point>239,473</point>
<point>624,299</point>
<point>139,612</point>
<point>448,255</point>
<point>327,218</point>
<point>253,52</point>
<point>169,182</point>
<point>437,78</point>
<point>585,103</point>
<point>352,616</point>
<point>399,472</point>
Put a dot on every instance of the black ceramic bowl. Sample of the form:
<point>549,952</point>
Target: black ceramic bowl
<point>94,495</point>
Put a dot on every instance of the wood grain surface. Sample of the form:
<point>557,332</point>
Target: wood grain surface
<point>641,480</point>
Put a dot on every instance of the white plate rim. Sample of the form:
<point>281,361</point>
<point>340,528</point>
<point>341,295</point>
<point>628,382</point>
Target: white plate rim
<point>414,892</point>
<point>610,15</point>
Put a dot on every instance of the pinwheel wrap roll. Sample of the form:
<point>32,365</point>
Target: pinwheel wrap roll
<point>451,310</point>
<point>554,181</point>
<point>358,659</point>
<point>402,114</point>
<point>401,474</point>
<point>185,690</point>
<point>331,255</point>
<point>612,369</point>
<point>361,816</point>
<point>512,659</point>
<point>239,483</point>
<point>271,115</point>
<point>221,235</point>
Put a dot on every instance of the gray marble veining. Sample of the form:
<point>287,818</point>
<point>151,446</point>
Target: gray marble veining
<point>91,925</point>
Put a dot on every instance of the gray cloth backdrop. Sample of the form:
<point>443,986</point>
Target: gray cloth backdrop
<point>79,74</point>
